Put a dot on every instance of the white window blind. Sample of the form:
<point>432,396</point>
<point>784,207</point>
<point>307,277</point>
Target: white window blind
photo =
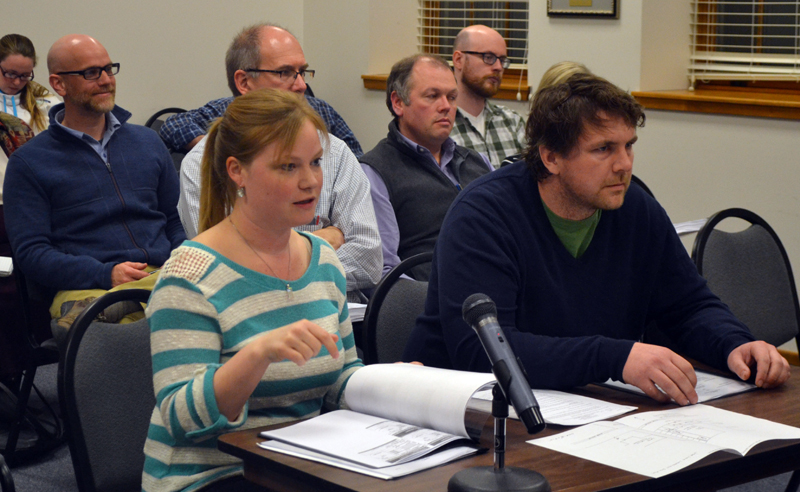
<point>439,22</point>
<point>745,40</point>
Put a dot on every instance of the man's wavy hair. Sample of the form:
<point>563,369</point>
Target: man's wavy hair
<point>561,113</point>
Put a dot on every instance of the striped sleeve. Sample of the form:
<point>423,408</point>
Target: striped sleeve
<point>186,342</point>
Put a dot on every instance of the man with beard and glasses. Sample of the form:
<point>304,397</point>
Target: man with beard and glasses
<point>479,59</point>
<point>90,203</point>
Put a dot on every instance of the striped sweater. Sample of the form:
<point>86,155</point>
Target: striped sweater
<point>203,309</point>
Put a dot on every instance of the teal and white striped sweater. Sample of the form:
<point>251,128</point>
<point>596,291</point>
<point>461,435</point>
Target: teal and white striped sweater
<point>204,308</point>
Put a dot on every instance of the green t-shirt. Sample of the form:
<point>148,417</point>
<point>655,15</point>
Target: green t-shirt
<point>575,235</point>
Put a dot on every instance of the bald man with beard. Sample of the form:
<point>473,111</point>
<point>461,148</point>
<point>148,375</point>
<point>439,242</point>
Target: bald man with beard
<point>91,203</point>
<point>479,59</point>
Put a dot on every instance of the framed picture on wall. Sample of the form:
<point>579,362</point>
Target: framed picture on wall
<point>583,8</point>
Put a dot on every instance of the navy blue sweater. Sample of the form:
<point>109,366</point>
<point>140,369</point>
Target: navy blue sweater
<point>71,218</point>
<point>571,321</point>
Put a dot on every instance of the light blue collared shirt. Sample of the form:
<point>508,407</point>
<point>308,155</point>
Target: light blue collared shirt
<point>101,147</point>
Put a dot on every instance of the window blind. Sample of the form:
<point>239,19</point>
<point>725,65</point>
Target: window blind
<point>745,40</point>
<point>440,22</point>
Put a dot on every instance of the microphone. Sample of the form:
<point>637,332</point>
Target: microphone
<point>480,312</point>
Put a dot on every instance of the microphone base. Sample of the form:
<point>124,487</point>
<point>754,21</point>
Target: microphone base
<point>490,479</point>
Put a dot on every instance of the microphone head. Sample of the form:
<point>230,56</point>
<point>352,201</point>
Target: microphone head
<point>477,306</point>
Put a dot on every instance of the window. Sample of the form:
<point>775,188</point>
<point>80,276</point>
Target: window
<point>439,22</point>
<point>745,40</point>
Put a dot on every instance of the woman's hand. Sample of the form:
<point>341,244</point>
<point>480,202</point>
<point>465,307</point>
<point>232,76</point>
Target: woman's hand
<point>297,342</point>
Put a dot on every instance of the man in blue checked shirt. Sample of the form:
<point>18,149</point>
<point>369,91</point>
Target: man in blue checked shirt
<point>184,130</point>
<point>267,56</point>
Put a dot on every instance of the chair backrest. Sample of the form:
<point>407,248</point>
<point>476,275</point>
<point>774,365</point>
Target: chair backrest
<point>106,392</point>
<point>6,481</point>
<point>156,121</point>
<point>392,312</point>
<point>750,272</point>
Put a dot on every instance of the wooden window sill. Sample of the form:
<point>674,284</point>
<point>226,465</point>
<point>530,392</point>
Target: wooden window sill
<point>508,87</point>
<point>765,104</point>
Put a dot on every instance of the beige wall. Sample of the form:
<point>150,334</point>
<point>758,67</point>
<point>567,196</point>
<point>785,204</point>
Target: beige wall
<point>172,51</point>
<point>172,54</point>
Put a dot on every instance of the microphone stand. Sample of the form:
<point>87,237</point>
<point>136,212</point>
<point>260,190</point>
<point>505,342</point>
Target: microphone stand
<point>498,478</point>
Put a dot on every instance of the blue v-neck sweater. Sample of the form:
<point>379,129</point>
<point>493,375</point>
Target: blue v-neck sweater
<point>571,321</point>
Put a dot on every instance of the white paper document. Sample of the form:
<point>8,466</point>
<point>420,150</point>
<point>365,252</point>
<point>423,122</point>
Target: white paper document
<point>387,473</point>
<point>356,311</point>
<point>424,396</point>
<point>393,411</point>
<point>6,266</point>
<point>655,444</point>
<point>561,408</point>
<point>709,386</point>
<point>690,226</point>
<point>369,441</point>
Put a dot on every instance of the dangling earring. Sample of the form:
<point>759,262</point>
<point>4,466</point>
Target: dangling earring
<point>240,192</point>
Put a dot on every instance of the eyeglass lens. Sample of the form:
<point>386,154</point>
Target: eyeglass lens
<point>13,76</point>
<point>95,72</point>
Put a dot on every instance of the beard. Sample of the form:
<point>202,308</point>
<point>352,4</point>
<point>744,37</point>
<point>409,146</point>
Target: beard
<point>89,103</point>
<point>482,86</point>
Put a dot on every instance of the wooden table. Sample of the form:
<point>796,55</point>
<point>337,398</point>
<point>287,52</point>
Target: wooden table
<point>565,473</point>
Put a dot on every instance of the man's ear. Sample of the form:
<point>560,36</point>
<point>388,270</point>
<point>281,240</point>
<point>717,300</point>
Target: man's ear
<point>458,60</point>
<point>242,81</point>
<point>397,104</point>
<point>551,159</point>
<point>58,85</point>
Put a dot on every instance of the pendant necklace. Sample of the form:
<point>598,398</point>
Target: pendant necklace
<point>288,266</point>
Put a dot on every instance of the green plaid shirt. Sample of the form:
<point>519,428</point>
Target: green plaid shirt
<point>505,133</point>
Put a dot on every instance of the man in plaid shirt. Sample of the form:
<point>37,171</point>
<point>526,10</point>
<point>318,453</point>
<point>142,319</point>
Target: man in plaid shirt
<point>184,130</point>
<point>479,58</point>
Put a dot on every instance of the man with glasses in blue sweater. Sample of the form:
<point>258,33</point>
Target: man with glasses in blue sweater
<point>91,203</point>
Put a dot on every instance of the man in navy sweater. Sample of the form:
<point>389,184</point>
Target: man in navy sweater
<point>578,263</point>
<point>90,204</point>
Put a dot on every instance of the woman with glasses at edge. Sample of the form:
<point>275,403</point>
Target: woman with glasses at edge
<point>23,113</point>
<point>20,96</point>
<point>232,344</point>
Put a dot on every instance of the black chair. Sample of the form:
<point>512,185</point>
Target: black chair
<point>156,121</point>
<point>6,480</point>
<point>392,312</point>
<point>750,271</point>
<point>45,425</point>
<point>106,391</point>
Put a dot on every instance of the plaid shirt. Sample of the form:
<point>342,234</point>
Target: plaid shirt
<point>505,133</point>
<point>182,128</point>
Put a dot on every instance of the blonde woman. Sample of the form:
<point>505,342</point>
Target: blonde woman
<point>556,74</point>
<point>249,320</point>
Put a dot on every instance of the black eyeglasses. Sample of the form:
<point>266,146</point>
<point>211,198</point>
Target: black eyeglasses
<point>490,58</point>
<point>286,74</point>
<point>94,73</point>
<point>14,76</point>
